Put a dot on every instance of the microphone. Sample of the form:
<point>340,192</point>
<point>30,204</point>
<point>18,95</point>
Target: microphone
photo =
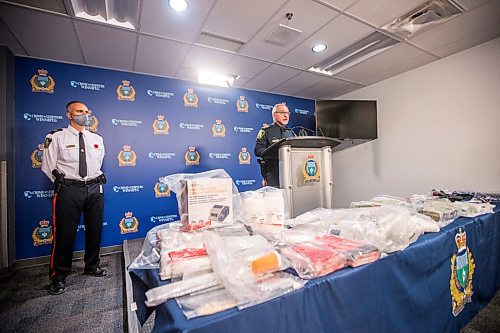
<point>303,131</point>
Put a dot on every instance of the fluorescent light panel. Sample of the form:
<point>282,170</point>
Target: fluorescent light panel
<point>215,79</point>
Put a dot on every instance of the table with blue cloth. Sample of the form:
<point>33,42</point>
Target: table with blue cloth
<point>407,291</point>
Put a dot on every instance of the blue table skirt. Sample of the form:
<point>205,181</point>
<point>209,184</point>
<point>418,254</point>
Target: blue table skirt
<point>407,291</point>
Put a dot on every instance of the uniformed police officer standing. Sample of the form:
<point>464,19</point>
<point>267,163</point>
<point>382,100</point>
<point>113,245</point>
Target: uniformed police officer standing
<point>72,159</point>
<point>268,135</point>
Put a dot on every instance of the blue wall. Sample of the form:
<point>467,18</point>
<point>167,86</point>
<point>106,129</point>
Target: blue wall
<point>130,123</point>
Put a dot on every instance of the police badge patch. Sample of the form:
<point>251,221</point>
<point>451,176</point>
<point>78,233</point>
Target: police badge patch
<point>160,125</point>
<point>462,270</point>
<point>128,224</point>
<point>242,104</point>
<point>36,156</point>
<point>42,234</point>
<point>310,170</point>
<point>190,99</point>
<point>244,156</point>
<point>42,82</point>
<point>125,91</point>
<point>127,156</point>
<point>218,129</point>
<point>192,157</point>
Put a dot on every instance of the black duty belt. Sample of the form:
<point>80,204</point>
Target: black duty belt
<point>97,180</point>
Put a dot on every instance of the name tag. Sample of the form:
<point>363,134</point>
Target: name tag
<point>70,146</point>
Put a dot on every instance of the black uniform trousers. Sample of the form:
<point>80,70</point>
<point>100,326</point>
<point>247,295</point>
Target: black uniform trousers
<point>69,203</point>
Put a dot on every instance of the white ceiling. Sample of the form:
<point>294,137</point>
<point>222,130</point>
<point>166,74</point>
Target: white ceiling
<point>169,43</point>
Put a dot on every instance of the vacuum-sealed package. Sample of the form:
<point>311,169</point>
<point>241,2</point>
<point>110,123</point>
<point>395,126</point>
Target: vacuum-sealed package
<point>266,205</point>
<point>205,199</point>
<point>358,253</point>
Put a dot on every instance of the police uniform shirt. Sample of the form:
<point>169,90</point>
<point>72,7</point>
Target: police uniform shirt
<point>269,135</point>
<point>61,152</point>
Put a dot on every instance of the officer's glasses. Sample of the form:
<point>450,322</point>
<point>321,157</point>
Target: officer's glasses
<point>283,113</point>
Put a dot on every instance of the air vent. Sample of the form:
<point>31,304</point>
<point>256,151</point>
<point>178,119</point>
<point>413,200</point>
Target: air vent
<point>363,49</point>
<point>427,15</point>
<point>282,35</point>
<point>219,42</point>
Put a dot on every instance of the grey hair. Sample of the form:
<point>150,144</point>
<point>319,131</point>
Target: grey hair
<point>275,107</point>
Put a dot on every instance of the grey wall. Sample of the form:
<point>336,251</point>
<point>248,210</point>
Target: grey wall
<point>7,230</point>
<point>438,127</point>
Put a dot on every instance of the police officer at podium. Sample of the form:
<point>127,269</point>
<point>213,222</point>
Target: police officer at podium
<point>268,135</point>
<point>72,159</point>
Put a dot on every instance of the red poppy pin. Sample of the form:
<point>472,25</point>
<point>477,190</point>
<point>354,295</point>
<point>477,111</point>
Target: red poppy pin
<point>96,146</point>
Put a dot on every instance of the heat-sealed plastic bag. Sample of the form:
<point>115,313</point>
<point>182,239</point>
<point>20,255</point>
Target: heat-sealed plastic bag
<point>311,260</point>
<point>204,199</point>
<point>206,302</point>
<point>266,205</point>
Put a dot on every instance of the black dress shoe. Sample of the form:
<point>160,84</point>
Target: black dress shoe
<point>57,287</point>
<point>98,271</point>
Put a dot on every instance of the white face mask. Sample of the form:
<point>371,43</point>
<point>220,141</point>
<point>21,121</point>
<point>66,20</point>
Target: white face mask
<point>83,119</point>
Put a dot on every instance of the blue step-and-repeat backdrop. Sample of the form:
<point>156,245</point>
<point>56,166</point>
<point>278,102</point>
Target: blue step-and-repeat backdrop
<point>152,127</point>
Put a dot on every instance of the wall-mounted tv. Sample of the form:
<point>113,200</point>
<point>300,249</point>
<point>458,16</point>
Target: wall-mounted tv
<point>347,119</point>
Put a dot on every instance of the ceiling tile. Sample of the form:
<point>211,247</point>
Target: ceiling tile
<point>200,57</point>
<point>399,68</point>
<point>188,74</point>
<point>476,38</point>
<point>159,56</point>
<point>339,4</point>
<point>159,19</point>
<point>55,40</point>
<point>297,83</point>
<point>398,54</point>
<point>328,87</point>
<point>7,38</point>
<point>101,44</point>
<point>245,66</point>
<point>308,16</point>
<point>337,34</point>
<point>272,77</point>
<point>469,4</point>
<point>461,26</point>
<point>380,12</point>
<point>240,19</point>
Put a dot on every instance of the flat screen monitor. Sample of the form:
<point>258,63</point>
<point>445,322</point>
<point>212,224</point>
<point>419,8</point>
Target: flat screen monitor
<point>347,119</point>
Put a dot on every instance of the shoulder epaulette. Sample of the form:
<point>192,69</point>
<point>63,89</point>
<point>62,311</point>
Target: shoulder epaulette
<point>94,132</point>
<point>265,126</point>
<point>57,130</point>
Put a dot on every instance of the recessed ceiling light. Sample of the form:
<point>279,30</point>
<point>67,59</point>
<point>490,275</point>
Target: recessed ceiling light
<point>319,48</point>
<point>178,5</point>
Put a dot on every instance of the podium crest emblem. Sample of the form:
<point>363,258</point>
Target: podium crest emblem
<point>310,170</point>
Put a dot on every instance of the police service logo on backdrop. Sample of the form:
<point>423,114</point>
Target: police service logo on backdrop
<point>192,157</point>
<point>42,234</point>
<point>160,125</point>
<point>125,91</point>
<point>92,123</point>
<point>462,270</point>
<point>242,104</point>
<point>244,156</point>
<point>127,156</point>
<point>310,170</point>
<point>42,82</point>
<point>218,129</point>
<point>161,189</point>
<point>128,224</point>
<point>36,157</point>
<point>190,99</point>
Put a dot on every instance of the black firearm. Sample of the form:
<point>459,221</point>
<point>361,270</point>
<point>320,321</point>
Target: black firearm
<point>59,179</point>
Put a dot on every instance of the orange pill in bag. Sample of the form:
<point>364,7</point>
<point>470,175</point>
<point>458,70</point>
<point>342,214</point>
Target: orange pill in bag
<point>266,264</point>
